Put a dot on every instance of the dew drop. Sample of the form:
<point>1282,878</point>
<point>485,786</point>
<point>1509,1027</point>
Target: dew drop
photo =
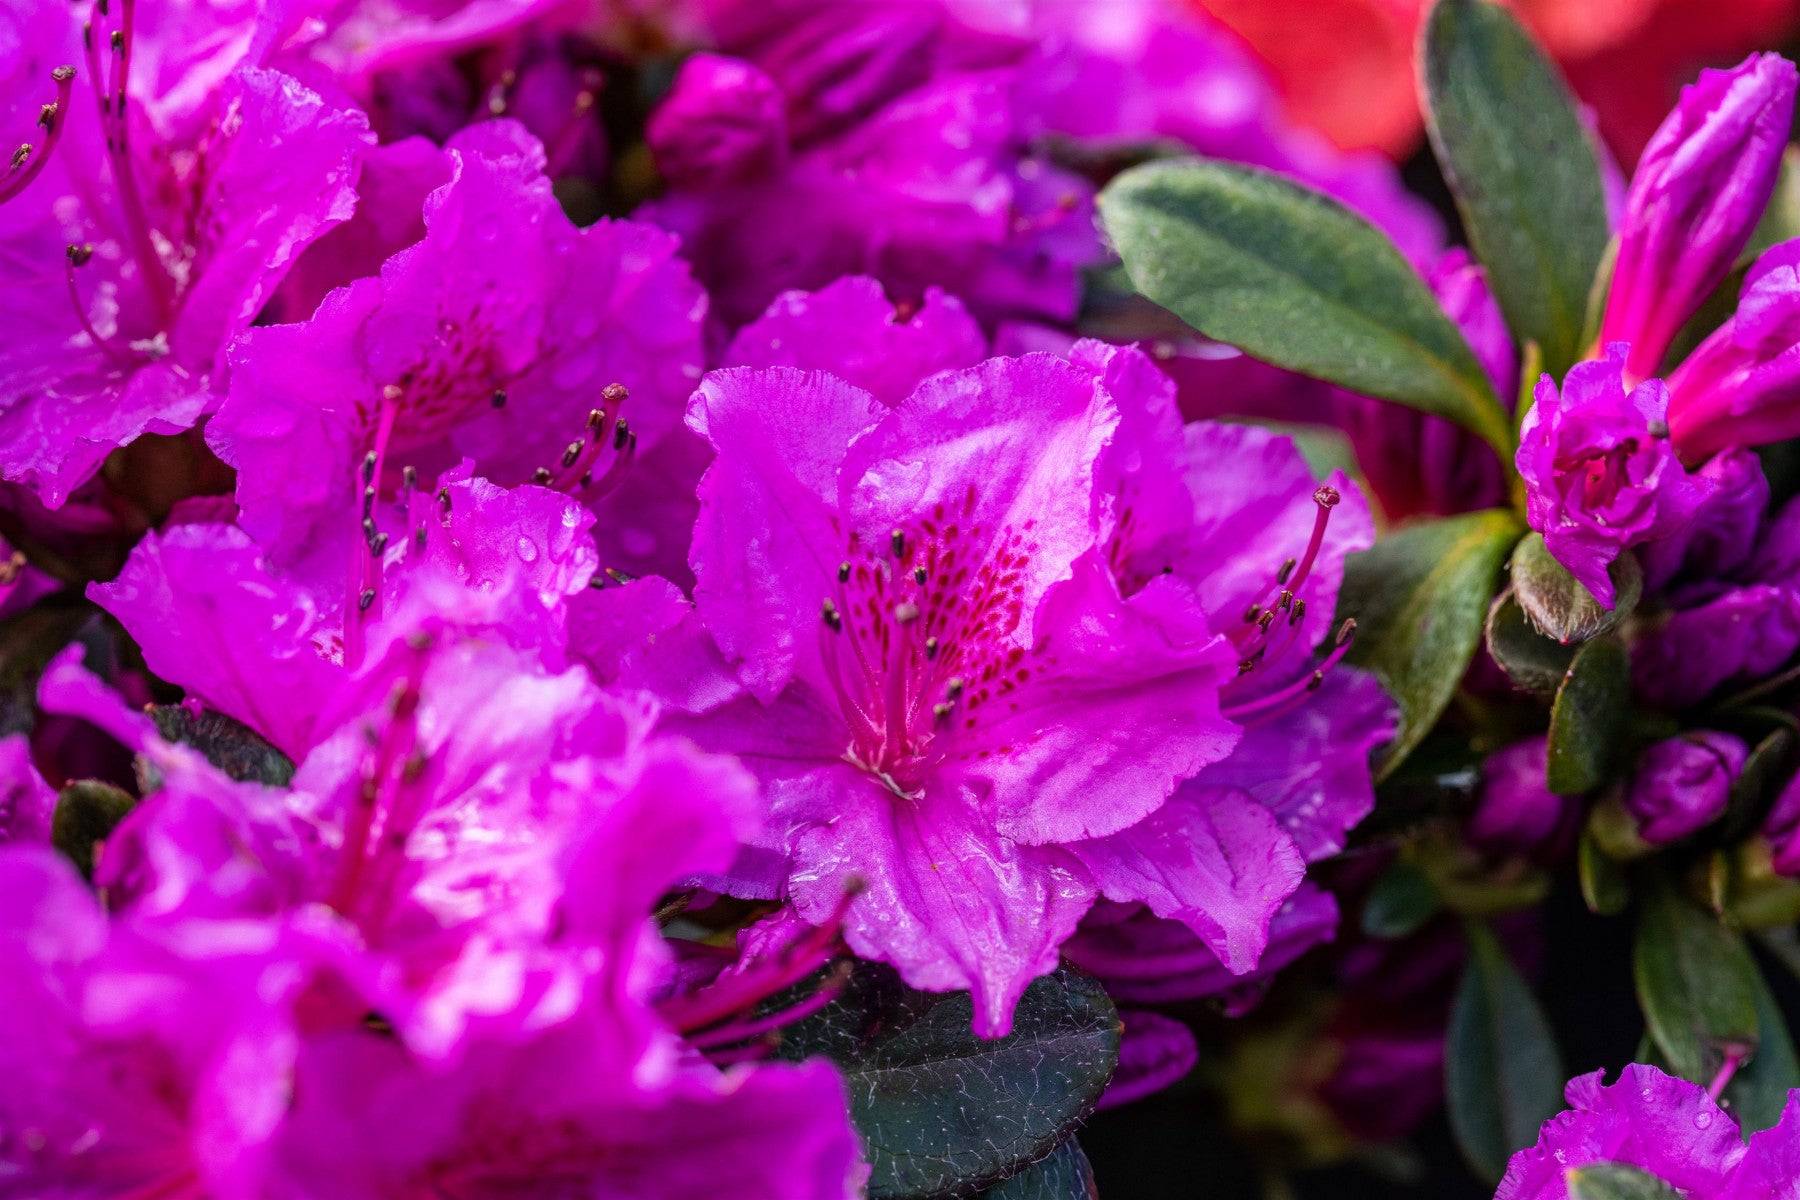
<point>1702,1120</point>
<point>527,549</point>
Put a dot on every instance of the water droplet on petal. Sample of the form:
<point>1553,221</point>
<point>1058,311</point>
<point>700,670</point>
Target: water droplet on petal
<point>1702,1120</point>
<point>527,549</point>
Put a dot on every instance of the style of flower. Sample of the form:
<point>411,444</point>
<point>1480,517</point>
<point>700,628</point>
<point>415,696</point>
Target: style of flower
<point>1599,471</point>
<point>148,236</point>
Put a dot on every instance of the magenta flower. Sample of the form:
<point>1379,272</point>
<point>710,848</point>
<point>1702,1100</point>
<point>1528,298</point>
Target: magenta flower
<point>501,335</point>
<point>145,240</point>
<point>1518,813</point>
<point>26,801</point>
<point>1697,194</point>
<point>1683,783</point>
<point>724,122</point>
<point>946,688</point>
<point>1660,1124</point>
<point>1600,473</point>
<point>1741,386</point>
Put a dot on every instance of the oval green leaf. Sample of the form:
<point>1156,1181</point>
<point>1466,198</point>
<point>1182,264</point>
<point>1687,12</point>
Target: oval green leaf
<point>1420,598</point>
<point>1696,983</point>
<point>1401,901</point>
<point>87,811</point>
<point>1759,1091</point>
<point>1589,717</point>
<point>1616,1181</point>
<point>1561,607</point>
<point>1293,277</point>
<point>1533,662</point>
<point>1065,1175</point>
<point>941,1110</point>
<point>1503,1076</point>
<point>1522,167</point>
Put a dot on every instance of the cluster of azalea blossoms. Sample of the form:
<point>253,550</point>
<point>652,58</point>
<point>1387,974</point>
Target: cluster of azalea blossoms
<point>648,598</point>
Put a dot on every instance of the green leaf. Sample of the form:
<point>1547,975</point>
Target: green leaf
<point>1420,598</point>
<point>1753,792</point>
<point>1502,1073</point>
<point>1522,167</point>
<point>28,641</point>
<point>941,1110</point>
<point>1615,1181</point>
<point>1696,983</point>
<point>1533,662</point>
<point>1759,1091</point>
<point>1401,901</point>
<point>1560,606</point>
<point>87,811</point>
<point>1296,279</point>
<point>229,745</point>
<point>1065,1175</point>
<point>1589,718</point>
<point>1603,884</point>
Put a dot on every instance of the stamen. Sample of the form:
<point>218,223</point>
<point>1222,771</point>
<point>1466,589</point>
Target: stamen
<point>74,258</point>
<point>919,576</point>
<point>844,572</point>
<point>898,541</point>
<point>27,161</point>
<point>833,619</point>
<point>499,397</point>
<point>1280,700</point>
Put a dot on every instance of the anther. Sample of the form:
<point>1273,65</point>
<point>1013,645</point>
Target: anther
<point>619,577</point>
<point>919,576</point>
<point>898,541</point>
<point>1299,613</point>
<point>954,688</point>
<point>47,115</point>
<point>499,397</point>
<point>572,453</point>
<point>833,619</point>
<point>1317,681</point>
<point>444,499</point>
<point>1659,429</point>
<point>368,500</point>
<point>931,649</point>
<point>118,41</point>
<point>1287,571</point>
<point>941,712</point>
<point>79,255</point>
<point>622,434</point>
<point>1346,631</point>
<point>20,155</point>
<point>419,539</point>
<point>369,530</point>
<point>1251,613</point>
<point>541,476</point>
<point>368,466</point>
<point>1284,601</point>
<point>378,545</point>
<point>409,478</point>
<point>1267,619</point>
<point>365,600</point>
<point>843,572</point>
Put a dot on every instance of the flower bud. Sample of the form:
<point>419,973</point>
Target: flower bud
<point>723,122</point>
<point>1741,386</point>
<point>1682,784</point>
<point>1518,813</point>
<point>1599,471</point>
<point>1699,190</point>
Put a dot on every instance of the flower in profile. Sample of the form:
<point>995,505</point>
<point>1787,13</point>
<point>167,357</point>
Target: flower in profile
<point>1683,783</point>
<point>1600,473</point>
<point>1695,198</point>
<point>150,235</point>
<point>1741,386</point>
<point>1672,1129</point>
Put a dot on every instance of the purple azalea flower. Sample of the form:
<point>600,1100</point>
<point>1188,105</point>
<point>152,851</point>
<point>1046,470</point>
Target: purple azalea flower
<point>1518,813</point>
<point>893,134</point>
<point>145,240</point>
<point>1697,194</point>
<point>1731,611</point>
<point>1600,473</point>
<point>1683,783</point>
<point>1741,386</point>
<point>1660,1124</point>
<point>497,336</point>
<point>26,801</point>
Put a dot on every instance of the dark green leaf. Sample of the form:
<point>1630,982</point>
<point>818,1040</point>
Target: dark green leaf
<point>28,641</point>
<point>1759,1091</point>
<point>229,745</point>
<point>1696,983</point>
<point>1615,1181</point>
<point>1401,900</point>
<point>86,813</point>
<point>1420,598</point>
<point>1503,1077</point>
<point>1558,605</point>
<point>1441,779</point>
<point>1522,168</point>
<point>1589,718</point>
<point>1770,763</point>
<point>1603,884</point>
<point>1065,1175</point>
<point>939,1109</point>
<point>1295,278</point>
<point>1533,662</point>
